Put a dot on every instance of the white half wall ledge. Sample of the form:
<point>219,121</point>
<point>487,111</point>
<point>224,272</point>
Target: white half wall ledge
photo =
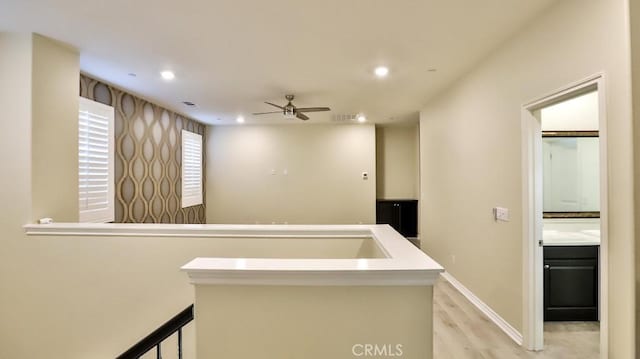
<point>403,265</point>
<point>507,328</point>
<point>195,230</point>
<point>309,276</point>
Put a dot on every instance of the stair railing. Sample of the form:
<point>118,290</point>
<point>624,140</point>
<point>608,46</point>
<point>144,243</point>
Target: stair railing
<point>155,339</point>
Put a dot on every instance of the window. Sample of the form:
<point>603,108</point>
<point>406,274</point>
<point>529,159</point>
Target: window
<point>191,169</point>
<point>95,159</point>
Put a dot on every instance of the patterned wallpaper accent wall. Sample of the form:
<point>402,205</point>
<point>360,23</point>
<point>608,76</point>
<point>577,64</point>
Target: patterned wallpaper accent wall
<point>148,157</point>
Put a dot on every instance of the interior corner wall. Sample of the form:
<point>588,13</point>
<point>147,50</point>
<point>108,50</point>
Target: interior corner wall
<point>470,148</point>
<point>55,130</point>
<point>397,161</point>
<point>15,132</point>
<point>72,297</point>
<point>148,159</point>
<point>295,174</point>
<point>15,156</point>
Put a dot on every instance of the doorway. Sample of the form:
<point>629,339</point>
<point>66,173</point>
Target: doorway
<point>573,205</point>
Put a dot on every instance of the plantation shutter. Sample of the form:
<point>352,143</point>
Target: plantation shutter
<point>95,157</point>
<point>191,169</point>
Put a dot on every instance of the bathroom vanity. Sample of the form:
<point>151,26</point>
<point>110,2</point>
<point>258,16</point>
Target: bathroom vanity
<point>571,267</point>
<point>571,283</point>
<point>571,224</point>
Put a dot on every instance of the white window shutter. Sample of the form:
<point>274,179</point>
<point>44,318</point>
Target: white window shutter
<point>96,167</point>
<point>191,169</point>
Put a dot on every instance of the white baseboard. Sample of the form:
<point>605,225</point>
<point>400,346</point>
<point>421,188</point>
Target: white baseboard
<point>484,308</point>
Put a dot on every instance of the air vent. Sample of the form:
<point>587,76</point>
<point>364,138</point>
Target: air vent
<point>344,117</point>
<point>188,103</point>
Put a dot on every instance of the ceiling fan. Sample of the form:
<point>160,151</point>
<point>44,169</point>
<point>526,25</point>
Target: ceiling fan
<point>291,111</point>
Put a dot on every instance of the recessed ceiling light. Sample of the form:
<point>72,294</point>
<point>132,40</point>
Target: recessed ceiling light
<point>168,75</point>
<point>361,118</point>
<point>240,119</point>
<point>381,71</point>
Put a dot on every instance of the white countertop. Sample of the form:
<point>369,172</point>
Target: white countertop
<point>571,232</point>
<point>581,238</point>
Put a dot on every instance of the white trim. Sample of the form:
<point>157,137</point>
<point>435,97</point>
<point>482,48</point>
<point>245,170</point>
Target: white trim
<point>192,230</point>
<point>532,273</point>
<point>533,328</point>
<point>604,220</point>
<point>507,328</point>
<point>301,277</point>
<point>563,92</point>
<point>404,264</point>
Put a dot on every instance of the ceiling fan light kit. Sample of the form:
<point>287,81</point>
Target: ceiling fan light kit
<point>290,111</point>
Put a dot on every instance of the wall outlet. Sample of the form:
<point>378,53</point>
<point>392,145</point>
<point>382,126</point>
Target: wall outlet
<point>501,214</point>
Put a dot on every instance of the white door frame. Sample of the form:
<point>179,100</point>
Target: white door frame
<point>533,294</point>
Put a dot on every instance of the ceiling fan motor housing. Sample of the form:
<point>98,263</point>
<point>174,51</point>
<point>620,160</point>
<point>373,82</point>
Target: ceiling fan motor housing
<point>289,111</point>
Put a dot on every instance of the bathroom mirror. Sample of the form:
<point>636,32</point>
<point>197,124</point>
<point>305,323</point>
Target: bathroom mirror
<point>571,175</point>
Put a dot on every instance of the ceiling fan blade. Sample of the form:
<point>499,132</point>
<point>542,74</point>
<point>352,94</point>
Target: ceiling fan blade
<point>265,113</point>
<point>274,105</point>
<point>302,116</point>
<point>312,109</point>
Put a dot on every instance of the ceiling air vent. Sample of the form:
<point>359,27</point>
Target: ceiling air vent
<point>344,117</point>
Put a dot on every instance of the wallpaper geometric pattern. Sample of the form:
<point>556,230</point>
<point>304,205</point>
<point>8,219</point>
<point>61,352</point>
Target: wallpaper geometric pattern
<point>148,157</point>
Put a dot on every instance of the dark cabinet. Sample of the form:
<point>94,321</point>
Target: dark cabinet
<point>402,215</point>
<point>571,283</point>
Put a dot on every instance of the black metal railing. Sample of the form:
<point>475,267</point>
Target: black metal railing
<point>155,339</point>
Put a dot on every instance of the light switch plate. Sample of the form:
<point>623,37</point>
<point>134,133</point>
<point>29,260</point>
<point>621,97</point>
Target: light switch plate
<point>501,214</point>
<point>365,175</point>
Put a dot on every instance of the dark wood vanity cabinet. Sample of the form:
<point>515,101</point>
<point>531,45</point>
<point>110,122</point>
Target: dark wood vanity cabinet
<point>571,283</point>
<point>402,215</point>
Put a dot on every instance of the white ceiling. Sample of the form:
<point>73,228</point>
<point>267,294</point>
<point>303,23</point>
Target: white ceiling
<point>231,55</point>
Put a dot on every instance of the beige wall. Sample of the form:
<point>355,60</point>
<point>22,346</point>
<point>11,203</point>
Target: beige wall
<point>71,298</point>
<point>15,156</point>
<point>275,322</point>
<point>54,153</point>
<point>323,181</point>
<point>82,297</point>
<point>397,163</point>
<point>470,157</point>
<point>635,54</point>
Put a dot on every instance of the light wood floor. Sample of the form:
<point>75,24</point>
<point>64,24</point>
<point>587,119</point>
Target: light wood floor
<point>461,331</point>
